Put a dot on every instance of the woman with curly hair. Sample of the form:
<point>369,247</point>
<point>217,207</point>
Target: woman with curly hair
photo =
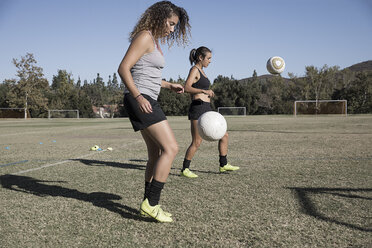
<point>140,71</point>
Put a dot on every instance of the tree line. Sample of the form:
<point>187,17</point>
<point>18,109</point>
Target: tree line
<point>259,95</point>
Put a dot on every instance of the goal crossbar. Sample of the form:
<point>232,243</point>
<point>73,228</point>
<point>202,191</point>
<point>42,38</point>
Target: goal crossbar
<point>22,109</point>
<point>63,110</point>
<point>343,111</point>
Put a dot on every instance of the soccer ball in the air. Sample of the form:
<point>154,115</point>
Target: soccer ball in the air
<point>275,65</point>
<point>212,126</point>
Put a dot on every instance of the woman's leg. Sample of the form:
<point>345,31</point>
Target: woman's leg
<point>196,140</point>
<point>162,147</point>
<point>191,150</point>
<point>153,153</point>
<point>223,145</point>
<point>222,148</point>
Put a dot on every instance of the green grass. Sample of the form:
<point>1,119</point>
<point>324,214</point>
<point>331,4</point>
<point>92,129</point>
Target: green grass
<point>303,182</point>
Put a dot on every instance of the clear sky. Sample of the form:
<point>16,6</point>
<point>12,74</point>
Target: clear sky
<point>86,37</point>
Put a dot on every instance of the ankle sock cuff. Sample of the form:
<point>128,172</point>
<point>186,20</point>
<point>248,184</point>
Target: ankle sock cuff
<point>186,164</point>
<point>223,160</point>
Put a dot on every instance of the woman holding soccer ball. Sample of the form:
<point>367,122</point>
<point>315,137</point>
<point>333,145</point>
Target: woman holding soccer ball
<point>198,85</point>
<point>140,71</point>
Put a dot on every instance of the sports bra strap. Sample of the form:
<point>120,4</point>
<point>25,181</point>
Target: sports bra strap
<point>200,71</point>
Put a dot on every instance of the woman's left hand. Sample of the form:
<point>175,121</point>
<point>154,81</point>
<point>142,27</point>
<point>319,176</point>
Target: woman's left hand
<point>178,88</point>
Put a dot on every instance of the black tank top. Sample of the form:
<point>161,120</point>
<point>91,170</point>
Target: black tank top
<point>203,83</point>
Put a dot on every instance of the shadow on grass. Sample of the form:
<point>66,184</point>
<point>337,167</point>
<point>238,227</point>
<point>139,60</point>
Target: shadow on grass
<point>310,208</point>
<point>208,172</point>
<point>138,160</point>
<point>41,188</point>
<point>116,164</point>
<point>91,162</point>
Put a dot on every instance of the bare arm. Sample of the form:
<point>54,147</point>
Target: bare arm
<point>140,45</point>
<point>178,88</point>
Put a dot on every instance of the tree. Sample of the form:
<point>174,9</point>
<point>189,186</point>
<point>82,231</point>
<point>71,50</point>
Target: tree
<point>63,91</point>
<point>4,89</point>
<point>114,95</point>
<point>96,91</point>
<point>319,82</point>
<point>358,93</point>
<point>172,103</point>
<point>30,90</point>
<point>254,75</point>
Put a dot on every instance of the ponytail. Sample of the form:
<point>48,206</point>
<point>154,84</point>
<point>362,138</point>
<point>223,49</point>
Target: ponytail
<point>196,53</point>
<point>192,57</point>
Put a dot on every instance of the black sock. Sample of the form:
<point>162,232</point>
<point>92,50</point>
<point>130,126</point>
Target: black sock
<point>223,160</point>
<point>186,164</point>
<point>147,190</point>
<point>154,192</point>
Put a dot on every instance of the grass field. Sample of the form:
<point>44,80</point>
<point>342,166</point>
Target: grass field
<point>303,182</point>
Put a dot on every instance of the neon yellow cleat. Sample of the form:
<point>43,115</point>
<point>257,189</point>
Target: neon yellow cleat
<point>155,212</point>
<point>188,173</point>
<point>229,167</point>
<point>144,214</point>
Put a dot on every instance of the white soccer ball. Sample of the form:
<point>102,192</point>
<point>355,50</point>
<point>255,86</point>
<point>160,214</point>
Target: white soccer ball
<point>212,126</point>
<point>275,65</point>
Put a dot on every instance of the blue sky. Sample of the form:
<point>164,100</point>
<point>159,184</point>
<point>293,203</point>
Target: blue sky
<point>86,37</point>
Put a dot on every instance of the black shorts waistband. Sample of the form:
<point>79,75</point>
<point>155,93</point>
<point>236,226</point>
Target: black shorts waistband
<point>199,102</point>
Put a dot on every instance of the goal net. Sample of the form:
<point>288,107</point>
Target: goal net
<point>14,113</point>
<point>57,113</point>
<point>313,107</point>
<point>231,110</point>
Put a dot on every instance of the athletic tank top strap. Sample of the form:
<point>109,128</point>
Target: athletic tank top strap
<point>147,73</point>
<point>155,43</point>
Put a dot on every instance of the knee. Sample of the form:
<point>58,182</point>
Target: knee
<point>197,143</point>
<point>226,136</point>
<point>153,156</point>
<point>172,149</point>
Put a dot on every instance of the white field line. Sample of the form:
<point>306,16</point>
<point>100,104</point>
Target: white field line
<point>49,131</point>
<point>70,159</point>
<point>50,165</point>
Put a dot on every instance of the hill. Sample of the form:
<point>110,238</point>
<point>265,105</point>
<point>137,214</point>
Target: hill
<point>362,66</point>
<point>263,77</point>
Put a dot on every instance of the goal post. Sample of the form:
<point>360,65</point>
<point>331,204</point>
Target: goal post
<point>63,113</point>
<point>232,110</point>
<point>14,113</point>
<point>317,107</point>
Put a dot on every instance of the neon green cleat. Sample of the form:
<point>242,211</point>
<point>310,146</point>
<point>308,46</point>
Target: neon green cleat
<point>155,212</point>
<point>144,214</point>
<point>188,173</point>
<point>229,167</point>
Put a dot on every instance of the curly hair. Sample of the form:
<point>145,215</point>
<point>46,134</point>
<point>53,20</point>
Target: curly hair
<point>154,20</point>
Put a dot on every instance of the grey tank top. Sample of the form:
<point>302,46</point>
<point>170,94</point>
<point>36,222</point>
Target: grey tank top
<point>146,73</point>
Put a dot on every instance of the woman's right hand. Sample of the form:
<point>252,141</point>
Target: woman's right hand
<point>210,93</point>
<point>144,105</point>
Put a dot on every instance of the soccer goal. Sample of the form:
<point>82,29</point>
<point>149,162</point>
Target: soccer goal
<point>232,110</point>
<point>313,107</point>
<point>62,113</point>
<point>14,113</point>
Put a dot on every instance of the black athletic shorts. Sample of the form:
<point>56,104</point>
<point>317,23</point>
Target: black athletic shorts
<point>139,119</point>
<point>197,108</point>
